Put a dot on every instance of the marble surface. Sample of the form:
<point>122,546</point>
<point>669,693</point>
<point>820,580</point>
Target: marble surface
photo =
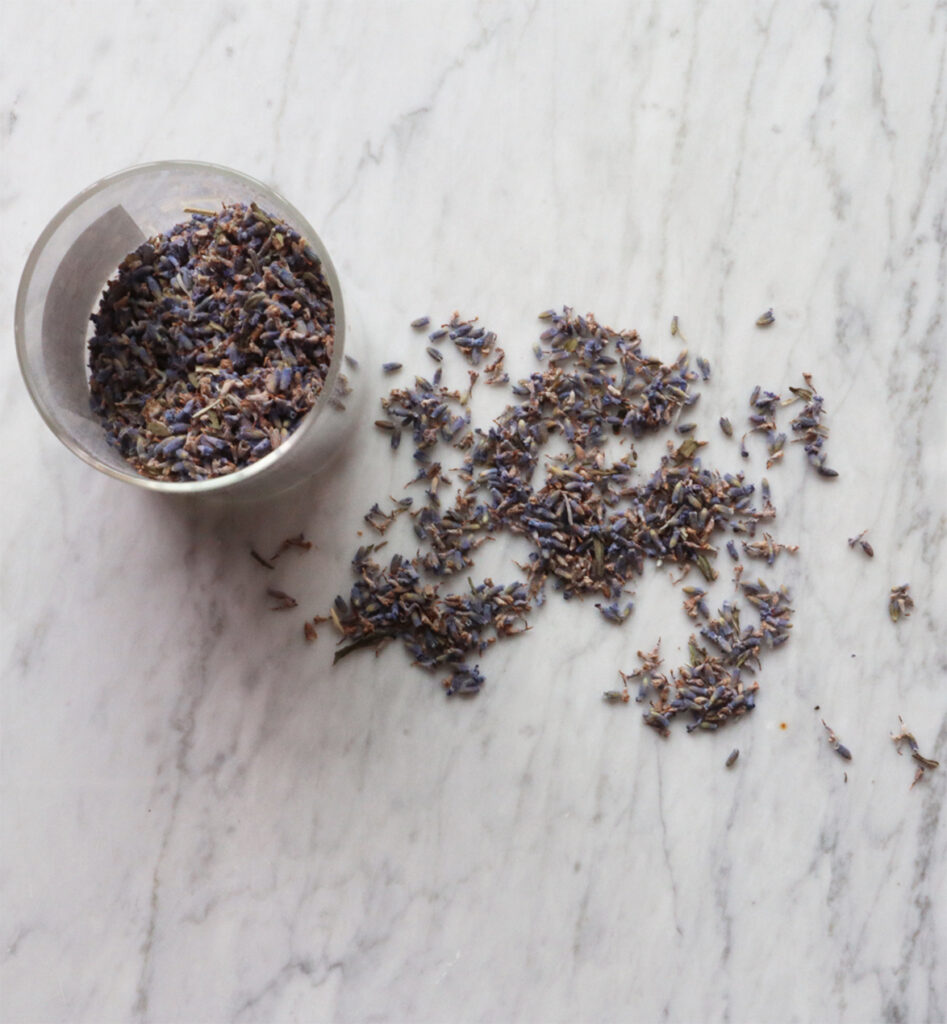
<point>203,820</point>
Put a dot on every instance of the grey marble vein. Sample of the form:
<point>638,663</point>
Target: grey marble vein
<point>202,819</point>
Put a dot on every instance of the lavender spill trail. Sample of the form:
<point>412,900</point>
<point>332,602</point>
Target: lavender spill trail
<point>591,520</point>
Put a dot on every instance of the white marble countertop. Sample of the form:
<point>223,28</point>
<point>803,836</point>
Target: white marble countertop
<point>202,820</point>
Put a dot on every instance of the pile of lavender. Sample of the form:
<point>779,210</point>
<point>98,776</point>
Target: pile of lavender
<point>592,522</point>
<point>710,690</point>
<point>211,343</point>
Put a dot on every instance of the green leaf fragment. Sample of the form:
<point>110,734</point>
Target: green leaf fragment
<point>364,641</point>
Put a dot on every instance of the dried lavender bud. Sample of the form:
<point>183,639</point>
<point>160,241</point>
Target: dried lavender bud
<point>211,343</point>
<point>859,541</point>
<point>925,763</point>
<point>263,561</point>
<point>590,522</point>
<point>808,425</point>
<point>839,749</point>
<point>900,602</point>
<point>285,601</point>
